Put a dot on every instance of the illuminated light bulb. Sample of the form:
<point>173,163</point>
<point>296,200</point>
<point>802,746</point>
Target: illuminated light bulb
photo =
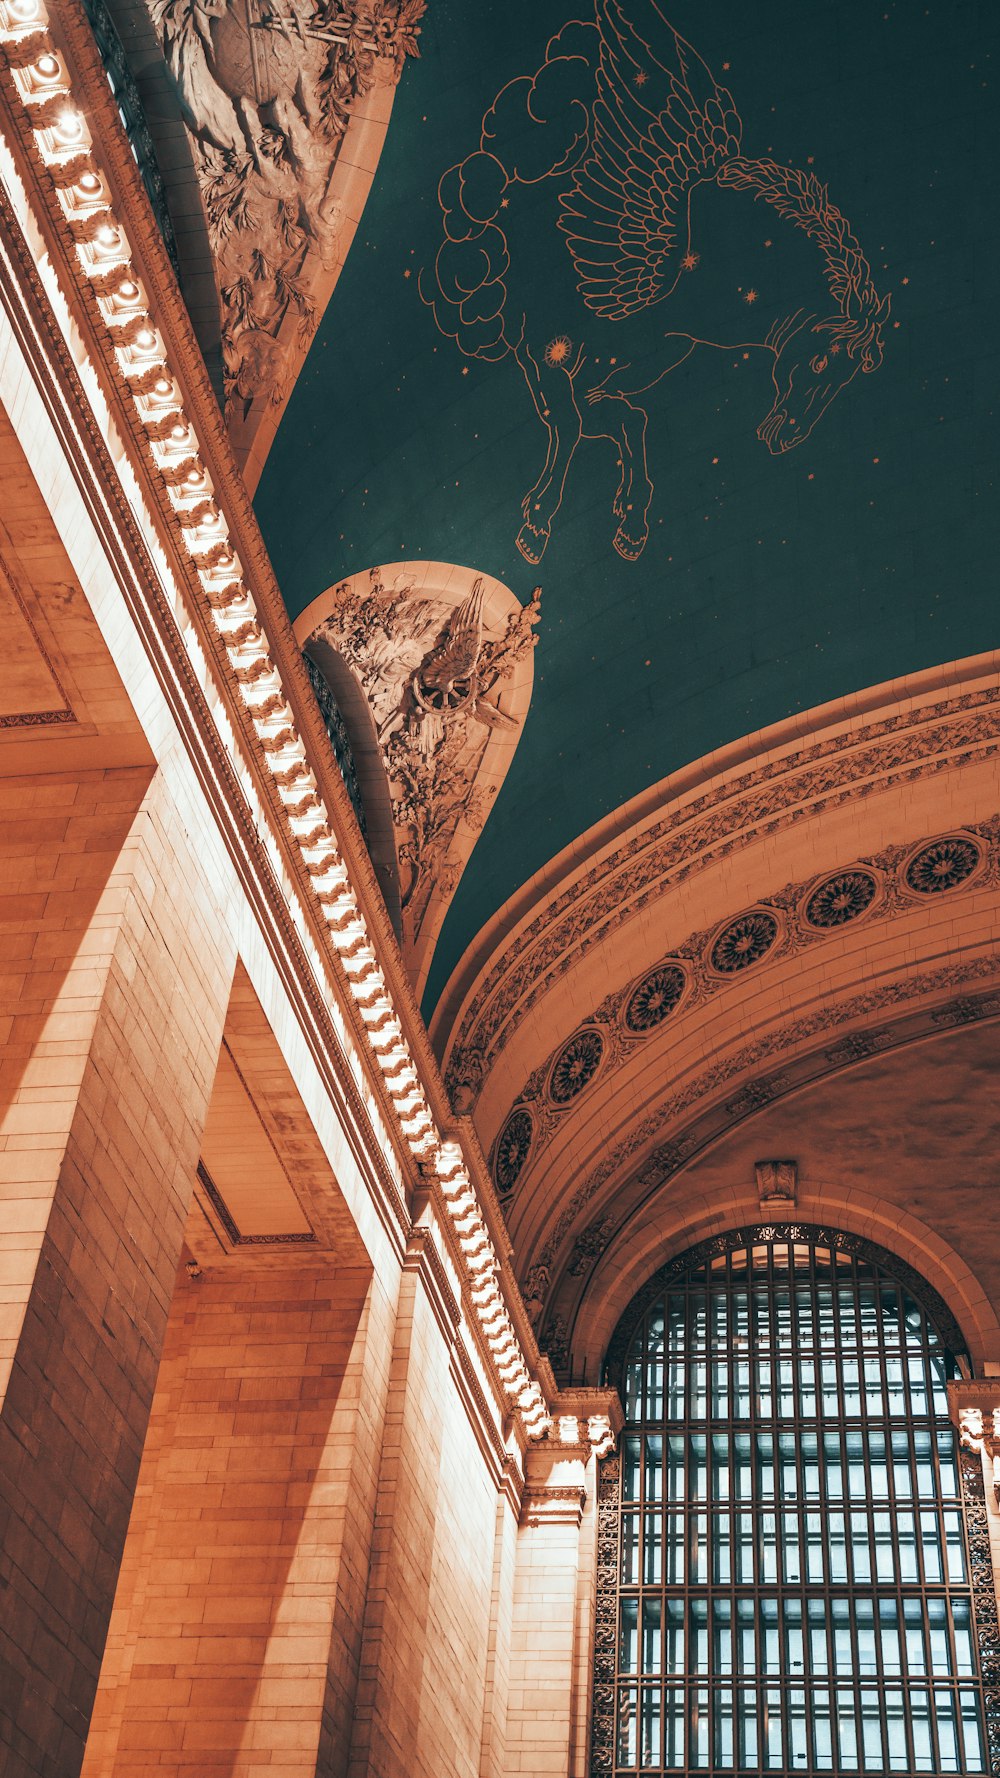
<point>47,66</point>
<point>194,476</point>
<point>179,429</point>
<point>162,386</point>
<point>88,182</point>
<point>106,235</point>
<point>146,337</point>
<point>25,10</point>
<point>127,289</point>
<point>70,126</point>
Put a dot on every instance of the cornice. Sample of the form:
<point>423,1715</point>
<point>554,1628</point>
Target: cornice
<point>225,629</point>
<point>883,877</point>
<point>156,621</point>
<point>522,957</point>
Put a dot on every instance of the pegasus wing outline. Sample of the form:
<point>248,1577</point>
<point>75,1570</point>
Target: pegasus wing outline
<point>457,655</point>
<point>661,124</point>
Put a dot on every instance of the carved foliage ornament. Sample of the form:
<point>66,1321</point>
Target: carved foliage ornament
<point>669,1157</point>
<point>831,903</point>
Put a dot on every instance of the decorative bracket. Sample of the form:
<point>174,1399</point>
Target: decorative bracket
<point>777,1184</point>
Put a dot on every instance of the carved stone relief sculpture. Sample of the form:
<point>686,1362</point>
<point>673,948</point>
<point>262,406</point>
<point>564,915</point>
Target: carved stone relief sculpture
<point>443,660</point>
<point>267,89</point>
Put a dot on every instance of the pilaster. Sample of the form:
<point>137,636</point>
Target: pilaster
<point>116,1019</point>
<point>553,1593</point>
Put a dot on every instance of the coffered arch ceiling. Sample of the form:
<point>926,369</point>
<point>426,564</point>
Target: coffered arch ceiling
<point>721,950</point>
<point>696,331</point>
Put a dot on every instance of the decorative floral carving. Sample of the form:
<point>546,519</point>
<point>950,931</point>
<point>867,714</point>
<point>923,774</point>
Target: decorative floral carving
<point>942,866</point>
<point>266,89</point>
<point>843,897</point>
<point>744,942</point>
<point>590,1245</point>
<point>575,1066</point>
<point>512,1150</point>
<point>698,983</point>
<point>602,1737</point>
<point>432,675</point>
<point>555,1342</point>
<point>655,997</point>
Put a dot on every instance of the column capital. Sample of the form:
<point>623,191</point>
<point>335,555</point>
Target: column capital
<point>588,1419</point>
<point>974,1405</point>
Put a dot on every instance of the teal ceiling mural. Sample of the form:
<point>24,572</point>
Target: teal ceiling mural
<point>688,315</point>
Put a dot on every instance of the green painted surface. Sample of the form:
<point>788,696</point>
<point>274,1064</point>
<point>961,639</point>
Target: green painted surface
<point>770,582</point>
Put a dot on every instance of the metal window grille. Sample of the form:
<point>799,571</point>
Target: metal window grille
<point>784,1575</point>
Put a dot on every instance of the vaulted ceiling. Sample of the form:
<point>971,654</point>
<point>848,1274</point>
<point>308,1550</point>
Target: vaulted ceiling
<point>772,579</point>
<point>695,331</point>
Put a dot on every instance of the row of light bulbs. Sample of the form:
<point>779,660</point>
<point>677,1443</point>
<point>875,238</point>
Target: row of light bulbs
<point>42,82</point>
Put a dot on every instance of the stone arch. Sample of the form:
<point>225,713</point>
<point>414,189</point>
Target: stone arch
<point>648,1245</point>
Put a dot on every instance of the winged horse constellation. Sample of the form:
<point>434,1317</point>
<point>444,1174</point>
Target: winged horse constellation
<point>624,144</point>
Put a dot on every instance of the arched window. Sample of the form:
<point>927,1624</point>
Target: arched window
<point>785,1583</point>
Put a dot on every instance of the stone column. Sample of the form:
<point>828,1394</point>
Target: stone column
<point>493,1763</point>
<point>118,962</point>
<point>552,1648</point>
<point>426,1657</point>
<point>242,1536</point>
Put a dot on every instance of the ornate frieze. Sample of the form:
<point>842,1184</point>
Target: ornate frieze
<point>707,962</point>
<point>707,1117</point>
<point>898,749</point>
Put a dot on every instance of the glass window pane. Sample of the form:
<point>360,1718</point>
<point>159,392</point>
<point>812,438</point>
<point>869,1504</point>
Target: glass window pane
<point>793,1574</point>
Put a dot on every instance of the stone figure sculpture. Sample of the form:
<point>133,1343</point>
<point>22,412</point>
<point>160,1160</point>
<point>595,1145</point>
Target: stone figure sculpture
<point>266,89</point>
